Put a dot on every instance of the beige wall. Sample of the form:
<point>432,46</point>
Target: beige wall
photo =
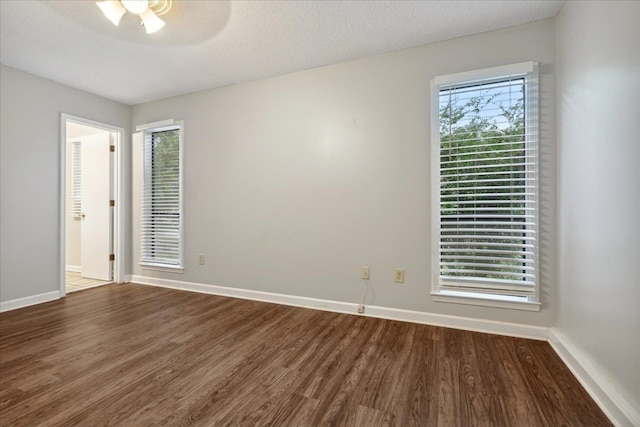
<point>292,183</point>
<point>599,188</point>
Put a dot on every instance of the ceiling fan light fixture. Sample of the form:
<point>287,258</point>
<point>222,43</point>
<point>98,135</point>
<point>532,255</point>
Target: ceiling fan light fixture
<point>160,7</point>
<point>136,7</point>
<point>147,10</point>
<point>113,10</point>
<point>151,21</point>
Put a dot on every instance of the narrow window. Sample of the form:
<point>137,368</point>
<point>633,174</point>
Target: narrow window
<point>162,198</point>
<point>76,183</point>
<point>485,192</point>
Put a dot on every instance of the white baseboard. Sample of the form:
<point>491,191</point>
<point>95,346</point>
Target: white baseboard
<point>73,268</point>
<point>456,322</point>
<point>27,301</point>
<point>619,411</point>
<point>465,323</point>
<point>296,301</point>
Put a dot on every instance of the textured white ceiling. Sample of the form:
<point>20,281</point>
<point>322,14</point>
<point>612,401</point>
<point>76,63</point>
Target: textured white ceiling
<point>208,44</point>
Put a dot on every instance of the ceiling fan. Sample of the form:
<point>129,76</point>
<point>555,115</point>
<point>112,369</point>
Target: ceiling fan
<point>147,10</point>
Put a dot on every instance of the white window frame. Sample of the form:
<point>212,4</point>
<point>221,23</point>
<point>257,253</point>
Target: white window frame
<point>530,71</point>
<point>147,131</point>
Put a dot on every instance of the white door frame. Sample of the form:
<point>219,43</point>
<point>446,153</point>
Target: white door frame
<point>118,192</point>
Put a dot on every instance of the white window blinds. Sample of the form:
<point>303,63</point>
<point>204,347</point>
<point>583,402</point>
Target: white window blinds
<point>487,158</point>
<point>161,198</point>
<point>76,179</point>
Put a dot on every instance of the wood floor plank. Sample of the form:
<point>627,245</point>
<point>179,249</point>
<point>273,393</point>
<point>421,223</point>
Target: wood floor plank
<point>131,355</point>
<point>418,394</point>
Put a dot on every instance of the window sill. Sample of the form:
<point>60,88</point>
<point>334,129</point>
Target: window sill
<point>486,300</point>
<point>162,267</point>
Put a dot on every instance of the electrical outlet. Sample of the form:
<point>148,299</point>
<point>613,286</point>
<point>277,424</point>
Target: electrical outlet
<point>201,259</point>
<point>398,275</point>
<point>364,273</point>
<point>361,308</point>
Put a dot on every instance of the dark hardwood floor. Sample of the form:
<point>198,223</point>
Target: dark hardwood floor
<point>132,355</point>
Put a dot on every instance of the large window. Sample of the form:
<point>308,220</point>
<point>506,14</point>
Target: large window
<point>485,156</point>
<point>161,243</point>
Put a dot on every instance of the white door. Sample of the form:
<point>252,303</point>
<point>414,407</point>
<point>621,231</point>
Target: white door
<point>95,235</point>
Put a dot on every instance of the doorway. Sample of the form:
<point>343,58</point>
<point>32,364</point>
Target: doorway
<point>90,221</point>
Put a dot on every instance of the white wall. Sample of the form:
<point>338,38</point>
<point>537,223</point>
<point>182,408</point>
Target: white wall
<point>30,109</point>
<point>599,188</point>
<point>292,183</point>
